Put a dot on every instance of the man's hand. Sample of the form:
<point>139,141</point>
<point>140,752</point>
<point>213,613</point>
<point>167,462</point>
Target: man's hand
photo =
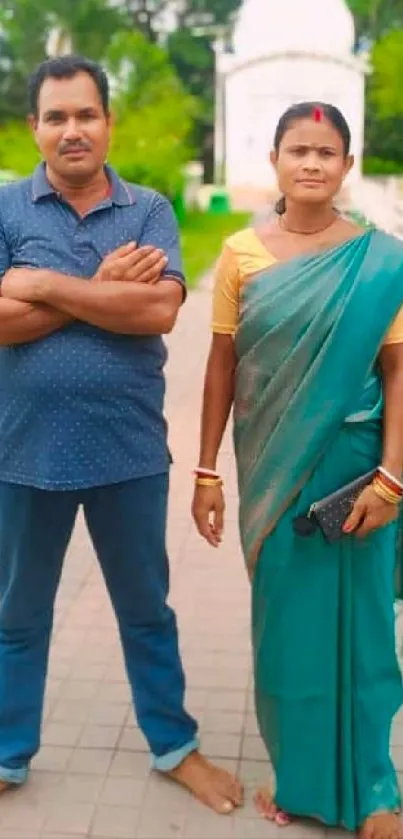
<point>130,263</point>
<point>127,263</point>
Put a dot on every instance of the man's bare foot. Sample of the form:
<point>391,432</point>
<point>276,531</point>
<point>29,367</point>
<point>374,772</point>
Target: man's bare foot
<point>382,826</point>
<point>267,808</point>
<point>212,786</point>
<point>4,786</point>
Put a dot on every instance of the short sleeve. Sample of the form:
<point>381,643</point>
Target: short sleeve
<point>226,294</point>
<point>5,258</point>
<point>161,229</point>
<point>395,334</point>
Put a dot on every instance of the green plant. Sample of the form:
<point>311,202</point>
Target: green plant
<point>202,237</point>
<point>148,148</point>
<point>17,148</point>
<point>154,115</point>
<point>378,166</point>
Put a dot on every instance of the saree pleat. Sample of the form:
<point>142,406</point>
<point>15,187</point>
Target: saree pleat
<point>308,419</point>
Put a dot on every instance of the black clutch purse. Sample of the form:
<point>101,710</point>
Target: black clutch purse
<point>330,513</point>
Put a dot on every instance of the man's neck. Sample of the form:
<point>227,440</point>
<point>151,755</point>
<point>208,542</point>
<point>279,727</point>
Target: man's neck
<point>82,196</point>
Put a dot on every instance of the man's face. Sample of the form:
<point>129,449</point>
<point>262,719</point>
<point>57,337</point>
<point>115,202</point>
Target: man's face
<point>71,128</point>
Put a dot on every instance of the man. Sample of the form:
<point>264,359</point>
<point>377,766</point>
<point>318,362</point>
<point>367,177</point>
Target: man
<point>91,279</point>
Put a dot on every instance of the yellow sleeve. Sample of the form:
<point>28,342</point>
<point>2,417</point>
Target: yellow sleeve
<point>226,293</point>
<point>395,334</point>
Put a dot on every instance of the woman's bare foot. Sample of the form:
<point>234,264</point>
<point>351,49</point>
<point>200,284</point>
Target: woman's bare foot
<point>212,786</point>
<point>267,808</point>
<point>382,826</point>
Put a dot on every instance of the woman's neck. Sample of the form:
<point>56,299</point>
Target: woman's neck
<point>307,219</point>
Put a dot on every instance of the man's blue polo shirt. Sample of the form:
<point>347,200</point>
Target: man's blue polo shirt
<point>82,407</point>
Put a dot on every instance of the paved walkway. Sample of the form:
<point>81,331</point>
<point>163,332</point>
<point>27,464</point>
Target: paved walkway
<point>91,778</point>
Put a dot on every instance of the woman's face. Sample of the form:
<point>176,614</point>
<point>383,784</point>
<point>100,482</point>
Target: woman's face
<point>311,162</point>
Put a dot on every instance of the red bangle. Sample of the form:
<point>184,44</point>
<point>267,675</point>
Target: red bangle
<point>391,485</point>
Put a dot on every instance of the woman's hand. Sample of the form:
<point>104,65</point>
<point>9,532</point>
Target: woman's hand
<point>370,513</point>
<point>208,512</point>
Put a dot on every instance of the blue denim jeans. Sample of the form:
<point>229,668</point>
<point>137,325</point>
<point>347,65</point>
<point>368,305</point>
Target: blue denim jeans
<point>127,525</point>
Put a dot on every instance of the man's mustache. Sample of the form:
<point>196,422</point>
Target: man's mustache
<point>64,148</point>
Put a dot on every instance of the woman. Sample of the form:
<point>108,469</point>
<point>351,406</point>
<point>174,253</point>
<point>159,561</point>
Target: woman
<point>308,344</point>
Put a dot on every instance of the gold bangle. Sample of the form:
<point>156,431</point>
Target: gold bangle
<point>385,494</point>
<point>389,485</point>
<point>209,482</point>
<point>387,491</point>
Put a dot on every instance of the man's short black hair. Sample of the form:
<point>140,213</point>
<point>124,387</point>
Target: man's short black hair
<point>66,67</point>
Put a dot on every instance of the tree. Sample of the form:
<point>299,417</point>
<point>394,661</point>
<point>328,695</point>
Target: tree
<point>387,62</point>
<point>87,24</point>
<point>151,140</point>
<point>189,29</point>
<point>379,25</point>
<point>154,18</point>
<point>25,27</point>
<point>18,152</point>
<point>148,15</point>
<point>23,39</point>
<point>374,18</point>
<point>193,59</point>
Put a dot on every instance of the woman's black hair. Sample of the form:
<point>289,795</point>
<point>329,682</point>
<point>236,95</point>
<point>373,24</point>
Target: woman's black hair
<point>305,110</point>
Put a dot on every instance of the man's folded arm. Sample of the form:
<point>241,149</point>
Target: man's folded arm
<point>23,322</point>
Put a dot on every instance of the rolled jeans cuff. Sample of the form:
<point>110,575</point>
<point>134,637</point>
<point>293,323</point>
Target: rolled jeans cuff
<point>170,761</point>
<point>14,776</point>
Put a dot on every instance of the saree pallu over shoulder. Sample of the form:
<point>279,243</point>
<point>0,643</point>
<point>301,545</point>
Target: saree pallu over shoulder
<point>309,334</point>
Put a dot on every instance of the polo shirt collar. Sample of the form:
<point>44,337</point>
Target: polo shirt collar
<point>122,194</point>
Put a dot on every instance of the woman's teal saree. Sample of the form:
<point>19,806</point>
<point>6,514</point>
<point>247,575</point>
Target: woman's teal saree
<point>308,419</point>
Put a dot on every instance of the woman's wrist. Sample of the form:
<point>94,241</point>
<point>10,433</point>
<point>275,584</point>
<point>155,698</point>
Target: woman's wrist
<point>387,487</point>
<point>391,472</point>
<point>208,462</point>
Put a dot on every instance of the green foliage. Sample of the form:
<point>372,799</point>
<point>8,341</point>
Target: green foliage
<point>202,238</point>
<point>24,33</point>
<point>149,16</point>
<point>191,50</point>
<point>193,58</point>
<point>149,147</point>
<point>88,23</point>
<point>375,18</point>
<point>386,90</point>
<point>383,137</point>
<point>379,166</point>
<point>150,142</point>
<point>18,152</point>
<point>380,24</point>
<point>25,26</point>
<point>143,75</point>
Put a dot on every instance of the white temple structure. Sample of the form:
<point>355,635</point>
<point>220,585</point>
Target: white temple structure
<point>285,51</point>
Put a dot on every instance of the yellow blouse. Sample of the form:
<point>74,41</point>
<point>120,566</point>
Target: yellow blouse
<point>243,255</point>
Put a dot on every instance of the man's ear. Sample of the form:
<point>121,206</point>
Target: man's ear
<point>33,123</point>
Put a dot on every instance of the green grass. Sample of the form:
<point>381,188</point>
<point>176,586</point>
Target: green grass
<point>202,235</point>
